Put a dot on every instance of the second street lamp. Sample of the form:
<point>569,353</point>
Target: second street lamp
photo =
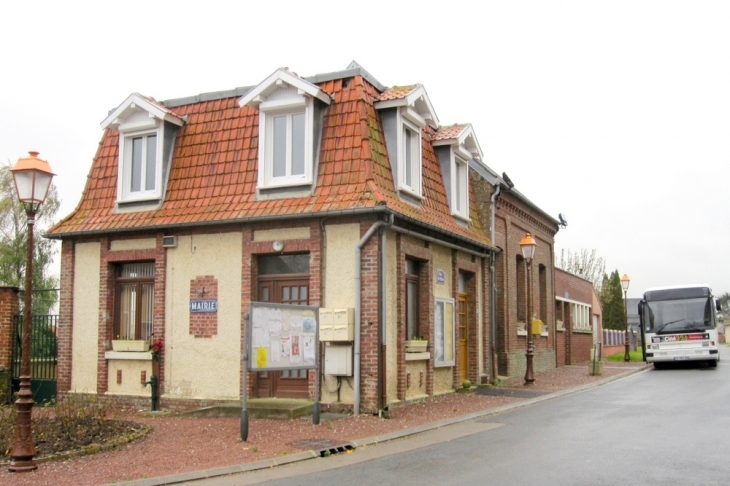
<point>625,284</point>
<point>32,178</point>
<point>528,246</point>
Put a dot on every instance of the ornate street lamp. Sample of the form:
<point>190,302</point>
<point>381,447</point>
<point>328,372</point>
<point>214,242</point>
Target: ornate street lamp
<point>32,179</point>
<point>528,246</point>
<point>625,284</point>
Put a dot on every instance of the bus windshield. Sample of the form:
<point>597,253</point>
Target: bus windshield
<point>675,316</point>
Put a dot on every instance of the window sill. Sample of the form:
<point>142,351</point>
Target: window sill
<point>418,356</point>
<point>131,355</point>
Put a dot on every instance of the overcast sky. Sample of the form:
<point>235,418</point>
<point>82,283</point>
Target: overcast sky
<point>614,113</point>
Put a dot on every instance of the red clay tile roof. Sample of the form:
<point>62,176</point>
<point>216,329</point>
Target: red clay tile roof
<point>450,132</point>
<point>396,92</point>
<point>213,174</point>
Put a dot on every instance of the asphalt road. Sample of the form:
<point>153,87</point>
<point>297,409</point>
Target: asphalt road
<point>658,427</point>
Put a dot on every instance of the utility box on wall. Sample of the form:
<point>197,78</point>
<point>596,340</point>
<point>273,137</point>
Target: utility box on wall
<point>336,324</point>
<point>338,360</point>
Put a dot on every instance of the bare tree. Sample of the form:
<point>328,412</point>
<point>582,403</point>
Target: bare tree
<point>585,264</point>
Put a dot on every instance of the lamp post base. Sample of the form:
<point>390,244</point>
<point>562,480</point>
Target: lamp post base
<point>529,374</point>
<point>21,457</point>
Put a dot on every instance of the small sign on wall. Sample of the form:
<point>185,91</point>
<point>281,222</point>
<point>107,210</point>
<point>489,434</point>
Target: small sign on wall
<point>210,305</point>
<point>440,277</point>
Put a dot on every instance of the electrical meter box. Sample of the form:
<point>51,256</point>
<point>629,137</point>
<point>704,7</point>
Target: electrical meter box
<point>338,360</point>
<point>326,324</point>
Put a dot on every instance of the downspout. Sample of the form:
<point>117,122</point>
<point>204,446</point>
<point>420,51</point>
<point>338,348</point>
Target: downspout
<point>358,299</point>
<point>493,290</point>
<point>382,295</point>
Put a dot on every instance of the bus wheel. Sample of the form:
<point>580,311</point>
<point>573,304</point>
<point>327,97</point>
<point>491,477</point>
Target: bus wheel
<point>658,365</point>
<point>712,363</point>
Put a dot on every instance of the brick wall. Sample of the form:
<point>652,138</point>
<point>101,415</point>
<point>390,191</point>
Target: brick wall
<point>203,324</point>
<point>9,308</point>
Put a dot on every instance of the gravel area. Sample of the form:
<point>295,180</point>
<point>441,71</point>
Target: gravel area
<point>182,444</point>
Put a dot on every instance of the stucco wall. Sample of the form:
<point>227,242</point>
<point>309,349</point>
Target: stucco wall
<point>339,292</point>
<point>131,375</point>
<point>136,244</point>
<point>86,317</point>
<point>443,380</point>
<point>194,361</point>
<point>442,261</point>
<point>282,234</point>
<point>391,322</point>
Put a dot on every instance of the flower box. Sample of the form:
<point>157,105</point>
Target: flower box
<point>416,346</point>
<point>137,345</point>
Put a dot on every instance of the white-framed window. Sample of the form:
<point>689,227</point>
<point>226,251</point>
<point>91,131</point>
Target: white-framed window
<point>285,158</point>
<point>140,165</point>
<point>581,317</point>
<point>409,158</point>
<point>444,332</point>
<point>461,188</point>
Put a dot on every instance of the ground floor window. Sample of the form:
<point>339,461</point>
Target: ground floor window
<point>135,297</point>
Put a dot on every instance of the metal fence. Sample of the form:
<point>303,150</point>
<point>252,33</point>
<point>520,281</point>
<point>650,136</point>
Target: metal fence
<point>43,356</point>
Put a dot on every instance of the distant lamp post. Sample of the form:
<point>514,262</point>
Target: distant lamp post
<point>528,246</point>
<point>32,178</point>
<point>625,284</point>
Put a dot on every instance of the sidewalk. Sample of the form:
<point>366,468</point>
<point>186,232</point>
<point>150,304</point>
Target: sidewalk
<point>183,449</point>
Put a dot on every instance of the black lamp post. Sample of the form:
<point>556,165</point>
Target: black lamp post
<point>625,284</point>
<point>32,179</point>
<point>528,246</point>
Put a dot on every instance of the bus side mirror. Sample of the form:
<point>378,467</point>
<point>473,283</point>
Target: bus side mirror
<point>718,305</point>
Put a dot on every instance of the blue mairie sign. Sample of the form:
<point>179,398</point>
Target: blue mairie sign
<point>210,305</point>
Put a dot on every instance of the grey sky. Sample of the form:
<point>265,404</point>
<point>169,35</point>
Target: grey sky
<point>615,113</point>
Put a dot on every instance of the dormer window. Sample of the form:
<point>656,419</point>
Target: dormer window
<point>287,134</point>
<point>461,187</point>
<point>146,130</point>
<point>455,146</point>
<point>405,112</point>
<point>288,115</point>
<point>410,176</point>
<point>141,170</point>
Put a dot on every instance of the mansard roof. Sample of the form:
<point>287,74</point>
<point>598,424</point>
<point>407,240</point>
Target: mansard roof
<point>213,171</point>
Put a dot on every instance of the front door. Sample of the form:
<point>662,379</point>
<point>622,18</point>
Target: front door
<point>283,289</point>
<point>461,319</point>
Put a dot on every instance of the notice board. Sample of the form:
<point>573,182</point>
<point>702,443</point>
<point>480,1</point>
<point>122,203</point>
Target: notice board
<point>283,336</point>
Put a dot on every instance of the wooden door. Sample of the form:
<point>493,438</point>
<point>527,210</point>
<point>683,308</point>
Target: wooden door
<point>284,383</point>
<point>462,314</point>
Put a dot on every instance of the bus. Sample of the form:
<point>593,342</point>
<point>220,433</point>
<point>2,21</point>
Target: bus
<point>678,323</point>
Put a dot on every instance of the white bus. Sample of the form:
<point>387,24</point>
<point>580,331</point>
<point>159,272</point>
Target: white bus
<point>679,324</point>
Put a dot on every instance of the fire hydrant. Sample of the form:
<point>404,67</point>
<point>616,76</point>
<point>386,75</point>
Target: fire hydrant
<point>154,383</point>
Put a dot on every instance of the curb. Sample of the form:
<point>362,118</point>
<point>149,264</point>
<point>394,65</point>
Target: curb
<point>310,454</point>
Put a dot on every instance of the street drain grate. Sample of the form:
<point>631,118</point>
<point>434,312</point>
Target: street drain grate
<point>323,447</point>
<point>331,451</point>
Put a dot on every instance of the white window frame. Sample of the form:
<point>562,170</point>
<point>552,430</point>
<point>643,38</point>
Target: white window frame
<point>443,311</point>
<point>415,187</point>
<point>267,112</point>
<point>581,316</point>
<point>125,193</point>
<point>460,187</point>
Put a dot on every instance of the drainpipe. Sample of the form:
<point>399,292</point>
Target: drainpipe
<point>493,290</point>
<point>358,287</point>
<point>382,294</point>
